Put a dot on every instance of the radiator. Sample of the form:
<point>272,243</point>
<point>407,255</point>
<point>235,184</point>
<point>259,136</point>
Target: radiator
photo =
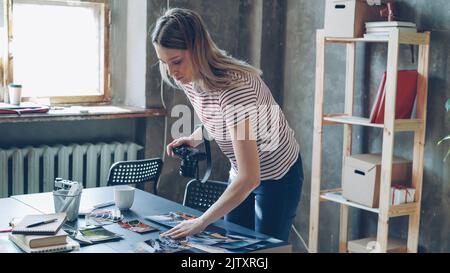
<point>34,169</point>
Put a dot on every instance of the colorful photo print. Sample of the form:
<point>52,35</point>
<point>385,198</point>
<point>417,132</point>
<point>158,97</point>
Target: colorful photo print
<point>207,238</point>
<point>100,217</point>
<point>99,234</point>
<point>170,219</point>
<point>161,245</point>
<point>137,226</point>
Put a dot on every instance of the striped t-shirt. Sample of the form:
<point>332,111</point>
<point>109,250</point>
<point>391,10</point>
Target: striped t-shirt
<point>219,110</point>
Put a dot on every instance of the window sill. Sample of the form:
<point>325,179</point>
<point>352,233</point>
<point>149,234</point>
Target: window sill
<point>73,113</point>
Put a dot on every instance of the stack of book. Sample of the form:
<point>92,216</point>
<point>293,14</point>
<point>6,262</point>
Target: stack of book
<point>42,233</point>
<point>383,28</point>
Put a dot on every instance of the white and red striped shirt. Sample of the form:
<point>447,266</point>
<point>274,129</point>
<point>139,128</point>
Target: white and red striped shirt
<point>219,110</point>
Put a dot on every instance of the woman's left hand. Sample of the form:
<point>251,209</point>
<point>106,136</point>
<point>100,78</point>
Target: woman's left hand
<point>186,228</point>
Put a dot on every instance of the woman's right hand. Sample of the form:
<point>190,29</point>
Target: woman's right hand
<point>178,142</point>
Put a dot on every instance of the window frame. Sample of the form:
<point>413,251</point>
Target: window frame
<point>7,62</point>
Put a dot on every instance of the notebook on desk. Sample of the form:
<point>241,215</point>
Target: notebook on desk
<point>35,224</point>
<point>35,241</point>
<point>20,241</point>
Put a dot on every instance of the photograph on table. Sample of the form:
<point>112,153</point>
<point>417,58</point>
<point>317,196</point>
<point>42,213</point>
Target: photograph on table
<point>99,234</point>
<point>137,226</point>
<point>161,245</point>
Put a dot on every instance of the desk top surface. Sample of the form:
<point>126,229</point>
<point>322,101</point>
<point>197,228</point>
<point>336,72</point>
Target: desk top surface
<point>145,204</point>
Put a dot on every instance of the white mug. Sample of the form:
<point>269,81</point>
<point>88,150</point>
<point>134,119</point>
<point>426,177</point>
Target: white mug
<point>123,197</point>
<point>15,93</point>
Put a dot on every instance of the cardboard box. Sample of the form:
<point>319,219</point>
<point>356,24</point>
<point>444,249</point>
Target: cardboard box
<point>347,18</point>
<point>370,245</point>
<point>361,174</point>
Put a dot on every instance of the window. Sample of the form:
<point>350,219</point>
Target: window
<point>59,49</point>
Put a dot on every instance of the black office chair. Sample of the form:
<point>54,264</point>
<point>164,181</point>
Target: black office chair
<point>135,172</point>
<point>201,196</point>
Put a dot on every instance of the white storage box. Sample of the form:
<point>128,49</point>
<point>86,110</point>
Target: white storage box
<point>347,18</point>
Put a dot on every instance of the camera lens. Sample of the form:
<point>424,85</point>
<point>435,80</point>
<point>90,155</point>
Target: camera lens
<point>188,168</point>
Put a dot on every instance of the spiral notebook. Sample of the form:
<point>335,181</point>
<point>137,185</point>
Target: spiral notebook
<point>40,229</point>
<point>19,240</point>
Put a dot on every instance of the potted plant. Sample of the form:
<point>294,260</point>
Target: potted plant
<point>447,107</point>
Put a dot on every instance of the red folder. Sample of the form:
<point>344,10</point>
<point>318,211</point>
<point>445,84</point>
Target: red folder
<point>406,96</point>
<point>378,99</point>
<point>25,111</point>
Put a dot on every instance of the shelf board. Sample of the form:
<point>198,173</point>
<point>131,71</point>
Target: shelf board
<point>381,39</point>
<point>338,198</point>
<point>407,125</point>
<point>353,120</point>
<point>409,38</point>
<point>401,125</point>
<point>403,209</point>
<point>412,38</point>
<point>335,195</point>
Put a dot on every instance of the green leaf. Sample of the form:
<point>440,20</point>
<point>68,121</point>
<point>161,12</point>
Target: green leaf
<point>447,105</point>
<point>444,139</point>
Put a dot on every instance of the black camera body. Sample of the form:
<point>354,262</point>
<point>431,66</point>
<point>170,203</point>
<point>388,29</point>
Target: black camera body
<point>189,160</point>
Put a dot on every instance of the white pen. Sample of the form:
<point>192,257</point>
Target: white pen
<point>41,223</point>
<point>106,204</point>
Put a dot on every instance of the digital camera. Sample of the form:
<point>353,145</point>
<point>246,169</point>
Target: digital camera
<point>62,184</point>
<point>189,159</point>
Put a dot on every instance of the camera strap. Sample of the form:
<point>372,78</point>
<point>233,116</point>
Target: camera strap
<point>208,155</point>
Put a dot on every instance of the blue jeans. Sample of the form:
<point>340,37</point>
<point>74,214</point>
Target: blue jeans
<point>271,208</point>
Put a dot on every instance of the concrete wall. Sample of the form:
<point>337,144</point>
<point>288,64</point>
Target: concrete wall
<point>128,45</point>
<point>303,18</point>
<point>136,52</point>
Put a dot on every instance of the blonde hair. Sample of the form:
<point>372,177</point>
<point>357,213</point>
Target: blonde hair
<point>184,29</point>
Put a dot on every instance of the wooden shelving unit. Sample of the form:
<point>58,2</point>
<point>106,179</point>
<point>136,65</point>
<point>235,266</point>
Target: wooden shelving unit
<point>390,127</point>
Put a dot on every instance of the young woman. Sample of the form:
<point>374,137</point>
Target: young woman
<point>238,111</point>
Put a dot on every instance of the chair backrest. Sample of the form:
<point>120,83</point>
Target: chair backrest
<point>201,196</point>
<point>135,172</point>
